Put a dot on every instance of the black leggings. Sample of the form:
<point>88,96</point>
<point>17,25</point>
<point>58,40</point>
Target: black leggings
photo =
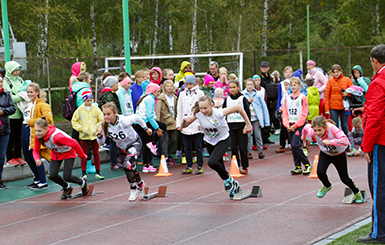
<point>67,172</point>
<point>128,159</point>
<point>340,163</point>
<point>215,161</point>
<point>239,141</point>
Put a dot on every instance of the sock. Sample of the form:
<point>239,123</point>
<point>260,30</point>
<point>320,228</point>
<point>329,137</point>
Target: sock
<point>84,173</point>
<point>133,186</point>
<point>98,172</point>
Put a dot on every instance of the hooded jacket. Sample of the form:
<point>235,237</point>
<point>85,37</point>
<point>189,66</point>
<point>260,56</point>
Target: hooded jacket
<point>319,81</point>
<point>163,111</point>
<point>259,106</point>
<point>85,121</point>
<point>313,98</point>
<point>159,80</point>
<point>13,85</point>
<point>8,107</point>
<point>333,94</point>
<point>362,81</point>
<point>186,101</point>
<point>75,69</point>
<point>374,113</point>
<point>180,74</point>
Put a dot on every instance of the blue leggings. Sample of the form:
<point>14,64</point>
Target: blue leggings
<point>38,172</point>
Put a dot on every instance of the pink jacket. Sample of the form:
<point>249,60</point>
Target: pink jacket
<point>319,81</point>
<point>225,87</point>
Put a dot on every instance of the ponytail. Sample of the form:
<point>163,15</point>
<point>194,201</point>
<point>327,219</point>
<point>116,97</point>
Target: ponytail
<point>195,109</point>
<point>141,99</point>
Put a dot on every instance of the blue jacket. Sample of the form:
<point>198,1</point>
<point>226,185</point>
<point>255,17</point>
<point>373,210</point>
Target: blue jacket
<point>136,93</point>
<point>259,106</point>
<point>146,110</point>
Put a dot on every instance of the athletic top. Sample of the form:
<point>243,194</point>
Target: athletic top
<point>128,106</point>
<point>50,144</point>
<point>235,117</point>
<point>122,132</point>
<point>215,128</point>
<point>294,108</point>
<point>338,140</point>
<point>295,111</point>
<point>28,111</point>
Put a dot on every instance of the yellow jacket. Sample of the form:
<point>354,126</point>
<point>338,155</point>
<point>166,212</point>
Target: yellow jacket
<point>87,122</point>
<point>40,109</point>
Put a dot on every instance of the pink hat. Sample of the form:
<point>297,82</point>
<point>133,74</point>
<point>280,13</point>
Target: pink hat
<point>209,79</point>
<point>125,81</point>
<point>310,62</point>
<point>151,88</point>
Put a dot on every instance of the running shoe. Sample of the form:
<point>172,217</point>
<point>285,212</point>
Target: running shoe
<point>296,170</point>
<point>133,195</point>
<point>21,161</point>
<point>244,171</point>
<point>85,187</point>
<point>39,186</point>
<point>99,177</point>
<point>66,192</point>
<point>178,154</point>
<point>350,154</point>
<point>264,147</point>
<point>116,167</point>
<point>313,143</point>
<point>307,169</point>
<point>199,170</point>
<point>321,193</point>
<point>141,187</point>
<point>235,189</point>
<point>277,132</point>
<point>150,169</point>
<point>250,156</point>
<point>187,171</point>
<point>228,183</point>
<point>152,148</point>
<point>139,163</point>
<point>33,184</point>
<point>280,150</point>
<point>254,148</point>
<point>358,197</point>
<point>261,155</point>
<point>205,152</point>
<point>13,162</point>
<point>2,186</point>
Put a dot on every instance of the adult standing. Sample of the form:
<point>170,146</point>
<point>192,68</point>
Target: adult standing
<point>7,107</point>
<point>271,88</point>
<point>319,82</point>
<point>214,70</point>
<point>334,97</point>
<point>373,144</point>
<point>13,83</point>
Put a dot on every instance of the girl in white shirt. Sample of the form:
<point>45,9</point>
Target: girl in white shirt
<point>216,134</point>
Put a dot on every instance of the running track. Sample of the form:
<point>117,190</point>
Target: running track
<point>197,210</point>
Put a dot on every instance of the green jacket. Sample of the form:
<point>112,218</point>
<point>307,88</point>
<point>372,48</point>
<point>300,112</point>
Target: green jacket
<point>313,101</point>
<point>206,91</point>
<point>13,85</point>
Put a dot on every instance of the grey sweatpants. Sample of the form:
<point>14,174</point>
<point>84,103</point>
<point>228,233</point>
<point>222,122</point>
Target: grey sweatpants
<point>257,132</point>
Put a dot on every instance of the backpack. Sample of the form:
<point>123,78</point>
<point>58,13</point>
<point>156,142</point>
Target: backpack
<point>272,91</point>
<point>68,106</point>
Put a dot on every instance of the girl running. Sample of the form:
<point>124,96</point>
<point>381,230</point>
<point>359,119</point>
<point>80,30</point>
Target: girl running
<point>62,147</point>
<point>216,134</point>
<point>236,124</point>
<point>333,143</point>
<point>119,129</point>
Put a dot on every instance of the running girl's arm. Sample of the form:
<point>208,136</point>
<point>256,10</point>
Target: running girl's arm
<point>137,119</point>
<point>36,150</point>
<point>60,139</point>
<point>308,131</point>
<point>238,108</point>
<point>188,120</point>
<point>305,112</point>
<point>46,111</point>
<point>101,138</point>
<point>342,139</point>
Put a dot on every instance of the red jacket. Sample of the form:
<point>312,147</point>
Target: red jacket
<point>374,113</point>
<point>59,139</point>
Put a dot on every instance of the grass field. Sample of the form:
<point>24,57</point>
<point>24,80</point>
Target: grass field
<point>351,238</point>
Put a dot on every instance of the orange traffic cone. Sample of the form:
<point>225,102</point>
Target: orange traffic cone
<point>314,168</point>
<point>234,169</point>
<point>163,170</point>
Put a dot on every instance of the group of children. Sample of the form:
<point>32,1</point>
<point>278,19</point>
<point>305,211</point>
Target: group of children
<point>154,109</point>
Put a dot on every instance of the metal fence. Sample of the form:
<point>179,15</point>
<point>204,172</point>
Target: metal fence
<point>53,73</point>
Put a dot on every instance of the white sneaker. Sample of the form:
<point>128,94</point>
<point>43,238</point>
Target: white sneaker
<point>133,195</point>
<point>277,132</point>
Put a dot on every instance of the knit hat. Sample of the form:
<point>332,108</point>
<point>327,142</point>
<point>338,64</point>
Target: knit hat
<point>87,95</point>
<point>310,62</point>
<point>256,76</point>
<point>297,73</point>
<point>209,79</point>
<point>152,87</point>
<point>190,79</point>
<point>110,81</point>
<point>125,81</point>
<point>265,63</point>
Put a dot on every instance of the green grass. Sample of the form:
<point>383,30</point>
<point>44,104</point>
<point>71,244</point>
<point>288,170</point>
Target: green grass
<point>351,237</point>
